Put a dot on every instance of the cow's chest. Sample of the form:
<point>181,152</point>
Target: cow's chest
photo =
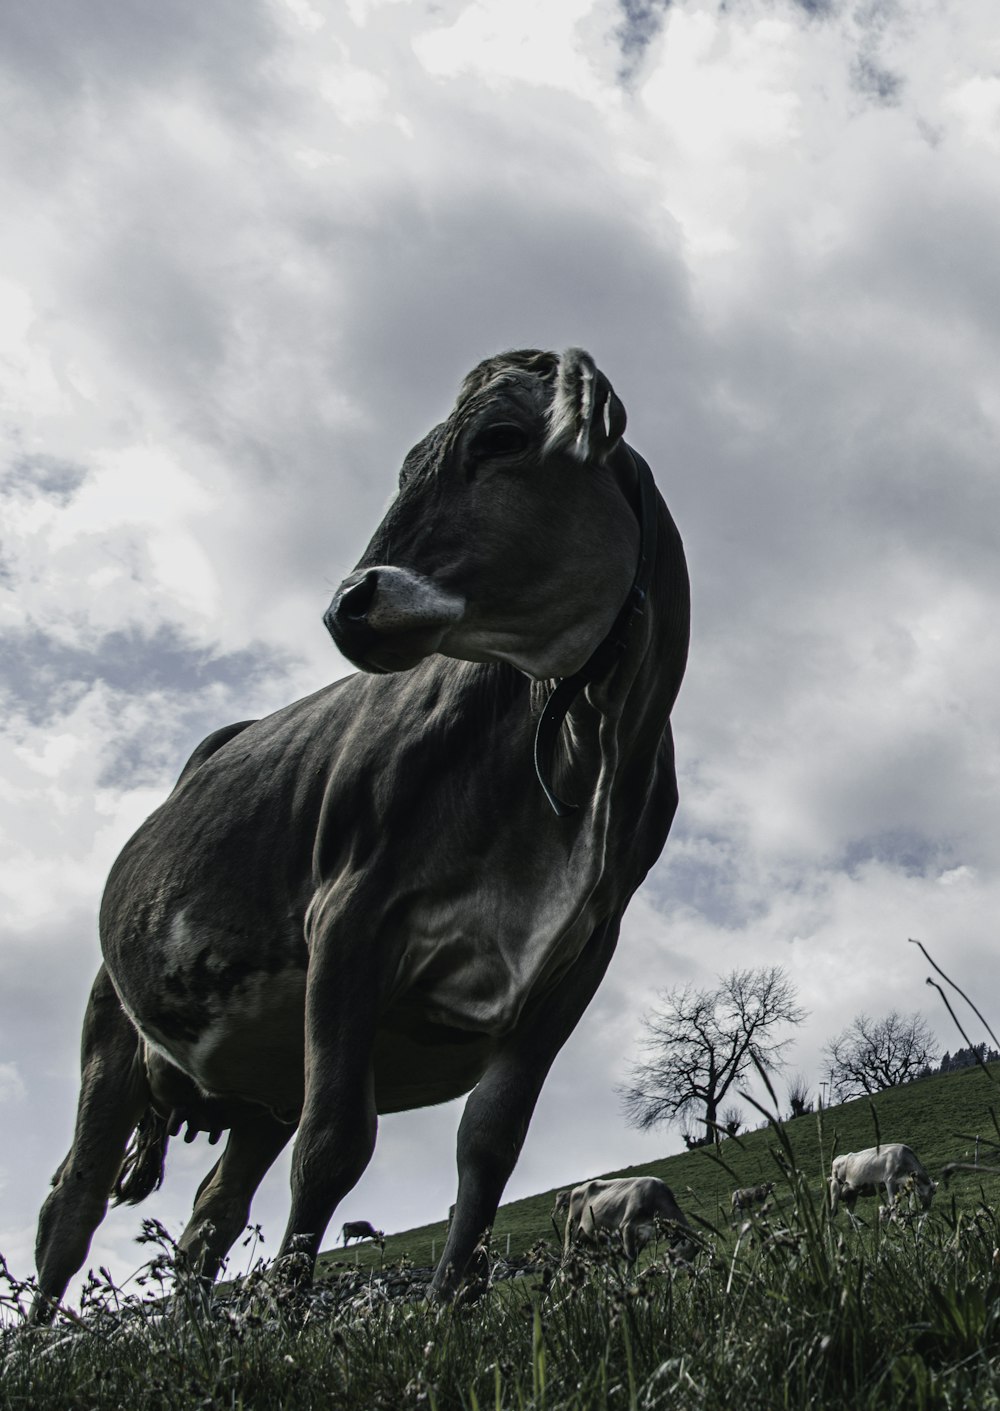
<point>472,959</point>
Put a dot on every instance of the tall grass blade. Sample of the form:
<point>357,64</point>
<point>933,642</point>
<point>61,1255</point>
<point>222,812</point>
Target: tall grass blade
<point>951,982</point>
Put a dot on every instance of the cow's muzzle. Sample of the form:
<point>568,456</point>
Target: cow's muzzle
<point>388,619</point>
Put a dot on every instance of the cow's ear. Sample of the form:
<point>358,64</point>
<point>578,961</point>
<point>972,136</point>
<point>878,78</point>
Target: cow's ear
<point>586,418</point>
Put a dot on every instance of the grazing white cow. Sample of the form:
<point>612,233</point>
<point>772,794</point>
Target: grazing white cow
<point>632,1205</point>
<point>893,1165</point>
<point>747,1196</point>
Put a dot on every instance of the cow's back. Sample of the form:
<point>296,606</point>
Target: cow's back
<point>637,1198</point>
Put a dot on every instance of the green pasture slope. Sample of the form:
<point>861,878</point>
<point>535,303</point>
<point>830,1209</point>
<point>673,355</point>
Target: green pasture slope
<point>934,1116</point>
<point>788,1310</point>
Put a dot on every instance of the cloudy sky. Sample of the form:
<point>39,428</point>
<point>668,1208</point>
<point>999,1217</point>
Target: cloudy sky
<point>249,250</point>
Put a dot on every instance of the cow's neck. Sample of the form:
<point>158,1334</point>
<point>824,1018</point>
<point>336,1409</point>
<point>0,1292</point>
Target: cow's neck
<point>636,482</point>
<point>621,714</point>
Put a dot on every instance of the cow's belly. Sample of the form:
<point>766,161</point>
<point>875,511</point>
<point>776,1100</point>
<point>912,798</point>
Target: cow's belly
<point>251,1048</point>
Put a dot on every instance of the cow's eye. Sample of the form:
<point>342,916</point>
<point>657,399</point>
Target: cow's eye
<point>502,438</point>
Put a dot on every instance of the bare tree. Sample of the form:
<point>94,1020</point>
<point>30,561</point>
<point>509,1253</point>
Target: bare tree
<point>872,1054</point>
<point>699,1042</point>
<point>732,1119</point>
<point>798,1095</point>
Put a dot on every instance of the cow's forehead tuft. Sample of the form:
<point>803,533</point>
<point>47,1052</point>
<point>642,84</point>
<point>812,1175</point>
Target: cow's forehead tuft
<point>506,367</point>
<point>525,376</point>
<point>514,390</point>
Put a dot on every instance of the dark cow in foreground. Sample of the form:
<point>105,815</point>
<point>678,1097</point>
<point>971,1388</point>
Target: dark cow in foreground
<point>746,1197</point>
<point>361,1230</point>
<point>635,1207</point>
<point>367,902</point>
<point>893,1166</point>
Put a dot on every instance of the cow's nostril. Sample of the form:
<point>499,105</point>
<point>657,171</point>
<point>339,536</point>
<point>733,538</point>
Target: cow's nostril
<point>355,601</point>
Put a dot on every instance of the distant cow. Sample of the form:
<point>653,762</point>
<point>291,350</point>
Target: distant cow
<point>632,1205</point>
<point>748,1196</point>
<point>361,1230</point>
<point>894,1166</point>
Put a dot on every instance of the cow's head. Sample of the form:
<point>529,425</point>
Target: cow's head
<point>510,538</point>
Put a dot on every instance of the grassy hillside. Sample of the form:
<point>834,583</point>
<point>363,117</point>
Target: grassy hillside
<point>930,1116</point>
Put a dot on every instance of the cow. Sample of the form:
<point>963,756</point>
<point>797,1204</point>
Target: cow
<point>407,886</point>
<point>892,1165</point>
<point>361,1230</point>
<point>748,1196</point>
<point>634,1207</point>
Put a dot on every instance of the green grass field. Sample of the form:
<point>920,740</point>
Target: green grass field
<point>790,1309</point>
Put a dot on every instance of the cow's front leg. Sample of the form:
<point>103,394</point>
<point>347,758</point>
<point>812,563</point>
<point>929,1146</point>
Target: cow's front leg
<point>499,1108</point>
<point>631,1242</point>
<point>336,1135</point>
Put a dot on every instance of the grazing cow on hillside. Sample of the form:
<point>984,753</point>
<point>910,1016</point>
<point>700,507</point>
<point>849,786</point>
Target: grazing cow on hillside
<point>748,1196</point>
<point>634,1206</point>
<point>409,885</point>
<point>361,1230</point>
<point>893,1166</point>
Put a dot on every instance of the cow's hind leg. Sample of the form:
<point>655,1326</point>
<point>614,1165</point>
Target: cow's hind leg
<point>113,1096</point>
<point>222,1205</point>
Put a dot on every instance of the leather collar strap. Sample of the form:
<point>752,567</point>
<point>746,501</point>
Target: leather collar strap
<point>607,652</point>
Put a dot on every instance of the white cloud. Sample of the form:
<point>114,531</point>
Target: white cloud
<point>12,1087</point>
<point>307,15</point>
<point>976,103</point>
<point>513,40</point>
<point>356,95</point>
